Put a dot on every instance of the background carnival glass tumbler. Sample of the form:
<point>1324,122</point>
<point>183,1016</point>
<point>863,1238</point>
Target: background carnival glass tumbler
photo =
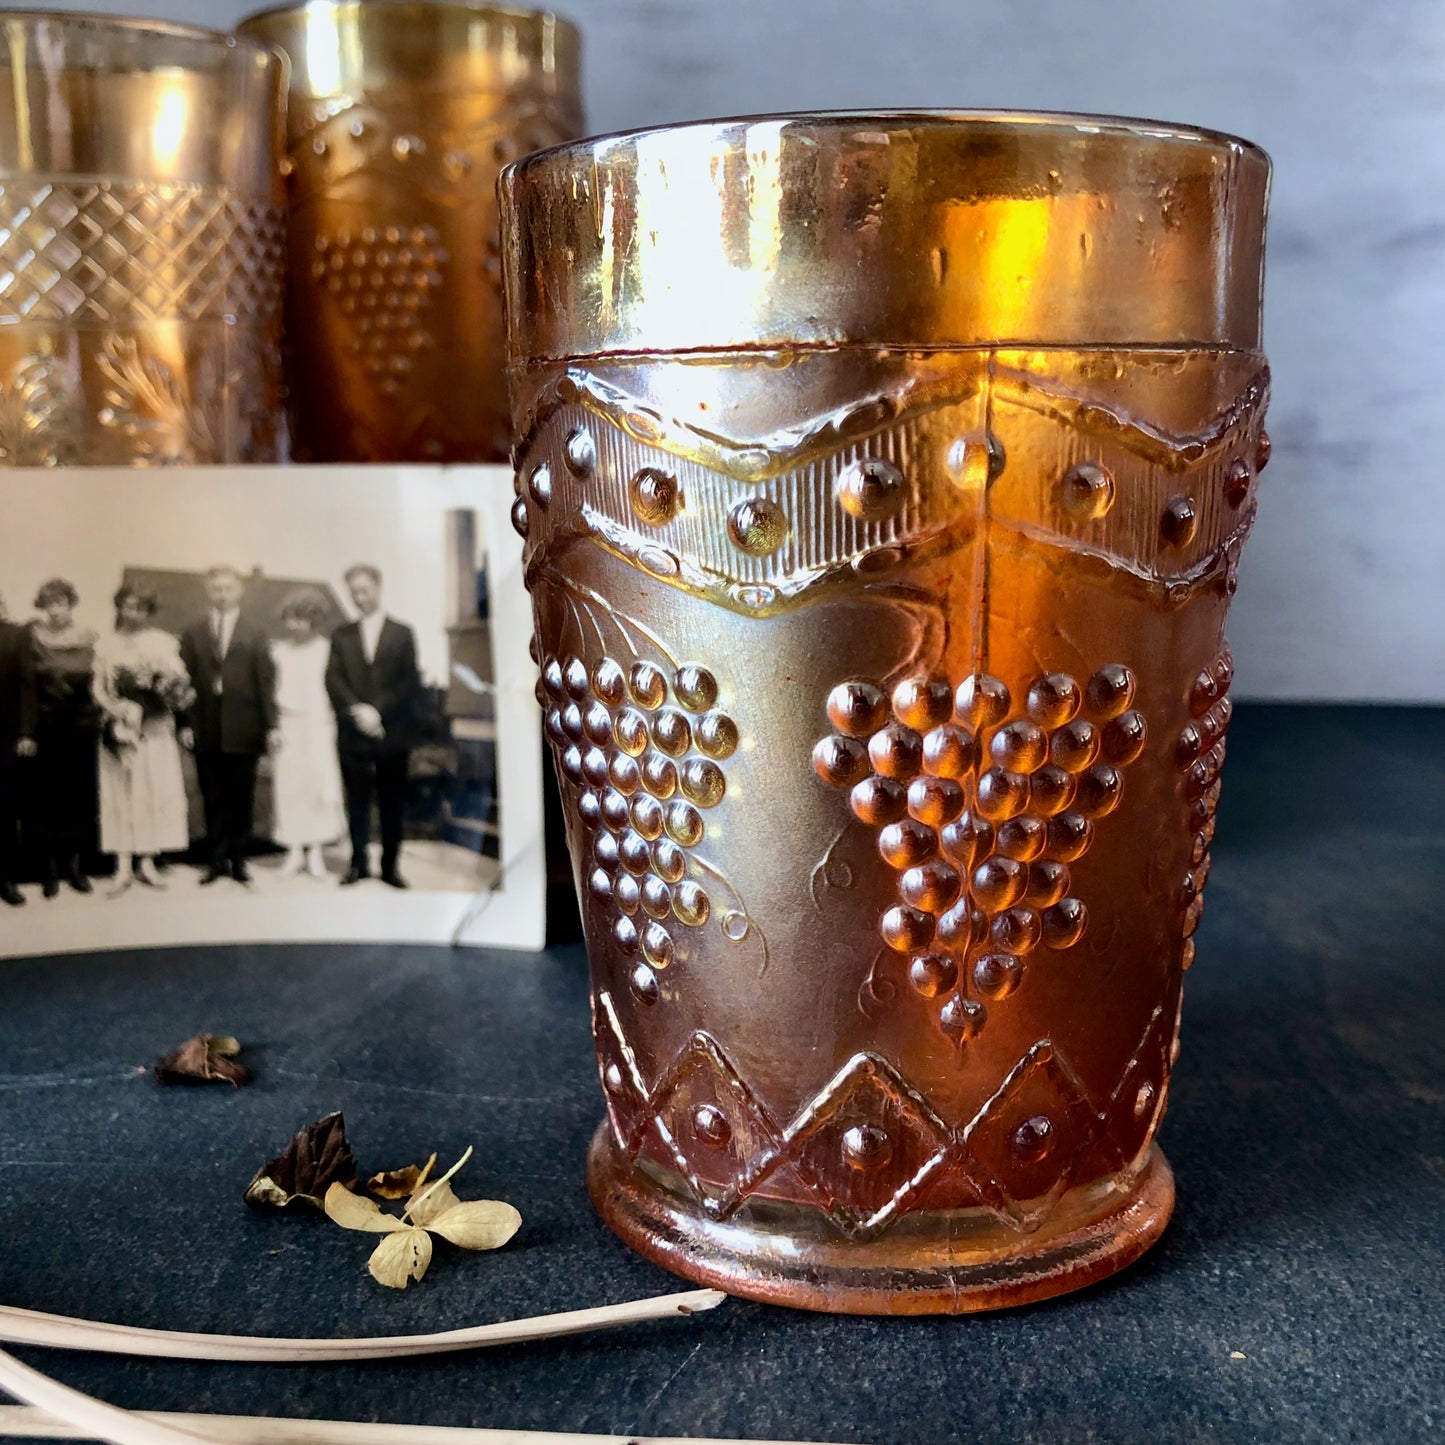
<point>401,116</point>
<point>883,482</point>
<point>141,243</point>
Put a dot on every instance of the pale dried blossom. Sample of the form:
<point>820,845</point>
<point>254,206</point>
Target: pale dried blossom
<point>431,1208</point>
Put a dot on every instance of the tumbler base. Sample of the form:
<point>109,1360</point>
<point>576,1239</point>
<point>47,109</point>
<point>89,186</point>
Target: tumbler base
<point>930,1263</point>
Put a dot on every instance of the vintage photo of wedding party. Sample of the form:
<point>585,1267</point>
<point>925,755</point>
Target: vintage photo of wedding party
<point>276,703</point>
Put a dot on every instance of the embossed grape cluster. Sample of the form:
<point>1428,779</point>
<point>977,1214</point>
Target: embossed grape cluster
<point>981,816</point>
<point>382,278</point>
<point>644,754</point>
<point>1200,755</point>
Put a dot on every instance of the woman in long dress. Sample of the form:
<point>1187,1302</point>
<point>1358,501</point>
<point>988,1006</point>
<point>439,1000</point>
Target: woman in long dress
<point>63,808</point>
<point>309,812</point>
<point>140,685</point>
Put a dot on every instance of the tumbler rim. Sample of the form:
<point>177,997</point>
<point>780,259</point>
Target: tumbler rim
<point>1078,121</point>
<point>548,61</point>
<point>891,228</point>
<point>473,7</point>
<point>143,24</point>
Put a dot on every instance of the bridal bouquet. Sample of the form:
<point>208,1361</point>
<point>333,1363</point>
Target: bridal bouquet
<point>151,690</point>
<point>157,687</point>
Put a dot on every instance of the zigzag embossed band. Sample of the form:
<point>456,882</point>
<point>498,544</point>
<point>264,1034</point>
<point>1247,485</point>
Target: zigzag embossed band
<point>755,524</point>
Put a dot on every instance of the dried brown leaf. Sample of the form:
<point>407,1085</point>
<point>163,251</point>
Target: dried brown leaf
<point>298,1178</point>
<point>477,1224</point>
<point>204,1059</point>
<point>356,1211</point>
<point>400,1183</point>
<point>401,1257</point>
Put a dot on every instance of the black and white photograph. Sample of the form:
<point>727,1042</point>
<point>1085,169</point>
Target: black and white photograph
<point>236,706</point>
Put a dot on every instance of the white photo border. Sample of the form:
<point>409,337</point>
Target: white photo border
<point>510,913</point>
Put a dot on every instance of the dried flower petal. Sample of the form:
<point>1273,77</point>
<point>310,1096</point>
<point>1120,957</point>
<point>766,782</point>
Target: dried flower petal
<point>356,1211</point>
<point>436,1197</point>
<point>406,1252</point>
<point>298,1178</point>
<point>478,1224</point>
<point>426,1204</point>
<point>400,1257</point>
<point>204,1059</point>
<point>400,1183</point>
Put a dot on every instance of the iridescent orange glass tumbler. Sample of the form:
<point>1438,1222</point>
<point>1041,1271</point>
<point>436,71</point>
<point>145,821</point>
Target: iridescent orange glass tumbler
<point>883,481</point>
<point>141,243</point>
<point>401,116</point>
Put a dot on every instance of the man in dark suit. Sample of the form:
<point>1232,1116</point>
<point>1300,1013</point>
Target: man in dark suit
<point>375,687</point>
<point>18,715</point>
<point>234,720</point>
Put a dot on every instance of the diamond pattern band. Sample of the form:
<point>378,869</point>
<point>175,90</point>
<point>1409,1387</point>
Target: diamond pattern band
<point>74,251</point>
<point>868,1148</point>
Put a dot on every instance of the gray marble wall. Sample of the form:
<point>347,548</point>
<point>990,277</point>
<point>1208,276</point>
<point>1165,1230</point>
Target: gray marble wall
<point>1343,589</point>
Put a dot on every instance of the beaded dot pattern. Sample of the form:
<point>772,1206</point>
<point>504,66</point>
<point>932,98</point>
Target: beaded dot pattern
<point>1199,752</point>
<point>642,746</point>
<point>980,805</point>
<point>382,278</point>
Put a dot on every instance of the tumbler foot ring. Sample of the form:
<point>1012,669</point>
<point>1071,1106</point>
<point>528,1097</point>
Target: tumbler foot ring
<point>930,1263</point>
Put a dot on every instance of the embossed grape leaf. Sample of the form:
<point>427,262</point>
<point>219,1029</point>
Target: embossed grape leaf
<point>300,1176</point>
<point>204,1059</point>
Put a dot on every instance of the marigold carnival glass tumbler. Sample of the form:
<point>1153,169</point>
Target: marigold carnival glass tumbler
<point>883,481</point>
<point>401,116</point>
<point>141,243</point>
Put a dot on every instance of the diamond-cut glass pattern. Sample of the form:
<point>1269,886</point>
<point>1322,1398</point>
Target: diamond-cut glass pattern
<point>110,250</point>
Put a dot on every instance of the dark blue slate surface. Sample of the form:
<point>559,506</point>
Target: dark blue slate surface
<point>1306,1134</point>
